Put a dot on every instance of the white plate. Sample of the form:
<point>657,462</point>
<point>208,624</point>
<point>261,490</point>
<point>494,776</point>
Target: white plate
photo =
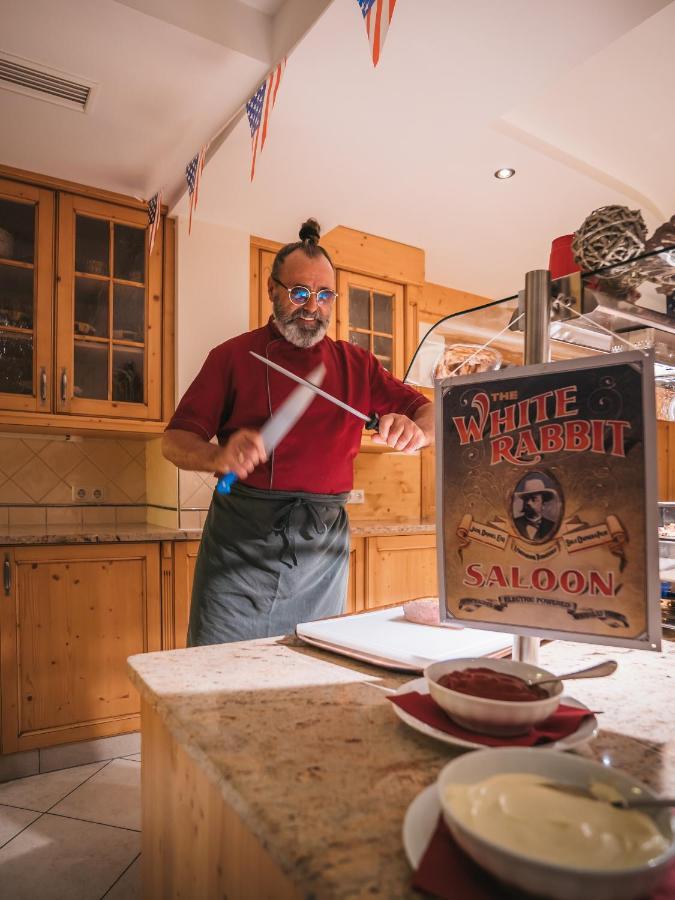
<point>419,824</point>
<point>587,730</point>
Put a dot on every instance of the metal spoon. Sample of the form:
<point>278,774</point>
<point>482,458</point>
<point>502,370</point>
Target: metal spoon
<point>597,671</point>
<point>625,803</point>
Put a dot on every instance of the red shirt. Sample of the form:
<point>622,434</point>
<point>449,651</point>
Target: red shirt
<point>234,390</point>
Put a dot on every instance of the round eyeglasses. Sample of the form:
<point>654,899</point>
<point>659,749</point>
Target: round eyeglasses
<point>299,294</point>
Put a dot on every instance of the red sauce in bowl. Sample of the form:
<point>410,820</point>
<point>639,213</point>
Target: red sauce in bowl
<point>491,685</point>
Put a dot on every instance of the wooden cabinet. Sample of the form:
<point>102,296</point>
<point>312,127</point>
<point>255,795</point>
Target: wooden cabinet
<point>26,284</point>
<point>370,314</point>
<point>70,617</point>
<point>400,568</point>
<point>184,562</point>
<point>88,347</point>
<point>356,587</point>
<point>108,312</point>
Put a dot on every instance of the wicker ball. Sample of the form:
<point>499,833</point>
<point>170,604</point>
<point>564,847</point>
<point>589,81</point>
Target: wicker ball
<point>610,235</point>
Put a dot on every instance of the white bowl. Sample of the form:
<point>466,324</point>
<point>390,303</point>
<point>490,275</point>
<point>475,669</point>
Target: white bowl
<point>546,879</point>
<point>496,717</point>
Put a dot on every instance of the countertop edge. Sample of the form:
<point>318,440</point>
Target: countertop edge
<point>26,535</point>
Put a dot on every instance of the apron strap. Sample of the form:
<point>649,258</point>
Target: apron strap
<point>282,525</point>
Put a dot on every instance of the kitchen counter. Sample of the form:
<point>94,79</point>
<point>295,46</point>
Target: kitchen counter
<point>296,756</point>
<point>111,533</point>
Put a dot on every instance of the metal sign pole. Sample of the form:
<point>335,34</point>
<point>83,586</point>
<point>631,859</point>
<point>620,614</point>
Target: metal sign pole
<point>537,319</point>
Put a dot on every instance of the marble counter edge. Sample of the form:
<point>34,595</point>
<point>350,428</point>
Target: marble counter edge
<point>181,734</point>
<point>94,534</point>
<point>112,534</point>
<point>182,737</point>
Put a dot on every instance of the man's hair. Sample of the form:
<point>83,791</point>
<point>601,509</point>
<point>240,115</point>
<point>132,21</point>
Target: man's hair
<point>310,232</point>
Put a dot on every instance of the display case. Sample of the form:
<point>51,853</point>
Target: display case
<point>626,306</point>
<point>667,563</point>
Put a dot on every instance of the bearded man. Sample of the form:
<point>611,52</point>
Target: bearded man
<point>275,551</point>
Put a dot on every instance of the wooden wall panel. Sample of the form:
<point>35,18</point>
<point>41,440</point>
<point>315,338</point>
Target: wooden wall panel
<point>391,482</point>
<point>665,450</point>
<point>368,254</point>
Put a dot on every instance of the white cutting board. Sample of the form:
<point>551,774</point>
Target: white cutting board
<point>385,637</point>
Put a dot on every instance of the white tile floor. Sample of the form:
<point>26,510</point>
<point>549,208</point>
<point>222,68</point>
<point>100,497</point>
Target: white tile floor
<point>72,834</point>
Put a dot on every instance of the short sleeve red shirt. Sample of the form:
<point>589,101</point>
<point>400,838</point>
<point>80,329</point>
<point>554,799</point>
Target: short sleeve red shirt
<point>234,390</point>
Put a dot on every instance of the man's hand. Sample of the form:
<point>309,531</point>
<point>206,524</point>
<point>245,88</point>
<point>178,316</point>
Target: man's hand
<point>243,451</point>
<point>400,433</point>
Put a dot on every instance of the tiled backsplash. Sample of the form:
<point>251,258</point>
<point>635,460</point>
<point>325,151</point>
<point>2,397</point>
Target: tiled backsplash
<point>195,490</point>
<point>37,477</point>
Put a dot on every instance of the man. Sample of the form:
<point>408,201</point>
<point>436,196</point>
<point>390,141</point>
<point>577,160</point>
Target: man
<point>275,551</point>
<point>532,524</point>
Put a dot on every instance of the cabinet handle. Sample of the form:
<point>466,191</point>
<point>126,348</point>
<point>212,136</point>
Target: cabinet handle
<point>7,575</point>
<point>43,386</point>
<point>64,386</point>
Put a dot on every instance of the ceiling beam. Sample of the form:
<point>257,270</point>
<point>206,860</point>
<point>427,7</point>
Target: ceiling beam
<point>227,22</point>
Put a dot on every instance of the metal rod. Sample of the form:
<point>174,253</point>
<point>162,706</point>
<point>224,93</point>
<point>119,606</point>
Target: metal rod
<point>537,350</point>
<point>317,390</point>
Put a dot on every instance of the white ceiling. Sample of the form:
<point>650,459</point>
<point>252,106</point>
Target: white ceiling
<point>573,95</point>
<point>169,74</point>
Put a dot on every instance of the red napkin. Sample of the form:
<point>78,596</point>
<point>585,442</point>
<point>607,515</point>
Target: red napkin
<point>447,873</point>
<point>564,721</point>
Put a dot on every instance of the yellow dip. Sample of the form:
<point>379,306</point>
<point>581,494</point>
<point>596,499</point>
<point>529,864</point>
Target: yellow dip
<point>518,812</point>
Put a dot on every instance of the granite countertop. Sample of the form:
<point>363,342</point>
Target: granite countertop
<point>305,747</point>
<point>111,533</point>
<point>374,528</point>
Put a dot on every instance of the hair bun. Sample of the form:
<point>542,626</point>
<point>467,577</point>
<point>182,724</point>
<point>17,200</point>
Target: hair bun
<point>310,231</point>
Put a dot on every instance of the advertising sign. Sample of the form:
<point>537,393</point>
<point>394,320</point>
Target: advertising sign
<point>547,517</point>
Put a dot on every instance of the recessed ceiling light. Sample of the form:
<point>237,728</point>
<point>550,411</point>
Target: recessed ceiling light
<point>505,173</point>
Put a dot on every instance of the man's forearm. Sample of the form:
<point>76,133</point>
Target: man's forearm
<point>424,418</point>
<point>189,451</point>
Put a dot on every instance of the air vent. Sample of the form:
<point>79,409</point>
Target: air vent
<point>24,76</point>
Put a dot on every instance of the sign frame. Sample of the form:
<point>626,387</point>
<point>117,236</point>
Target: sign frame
<point>643,362</point>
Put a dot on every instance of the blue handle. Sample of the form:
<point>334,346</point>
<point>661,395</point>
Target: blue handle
<point>225,483</point>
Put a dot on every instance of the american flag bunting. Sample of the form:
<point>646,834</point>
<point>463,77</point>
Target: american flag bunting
<point>378,15</point>
<point>154,216</point>
<point>193,172</point>
<point>259,109</point>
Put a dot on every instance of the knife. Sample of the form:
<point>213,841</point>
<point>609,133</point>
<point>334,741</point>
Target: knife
<point>372,421</point>
<point>280,423</point>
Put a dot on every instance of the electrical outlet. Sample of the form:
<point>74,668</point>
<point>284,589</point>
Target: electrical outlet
<point>81,494</point>
<point>358,496</point>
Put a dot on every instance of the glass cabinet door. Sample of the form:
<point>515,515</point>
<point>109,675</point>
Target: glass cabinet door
<point>109,311</point>
<point>26,275</point>
<point>370,315</point>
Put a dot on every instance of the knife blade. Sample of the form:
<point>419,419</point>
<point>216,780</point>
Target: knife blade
<point>372,421</point>
<point>280,423</point>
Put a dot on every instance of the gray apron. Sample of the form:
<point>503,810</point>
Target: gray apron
<point>267,561</point>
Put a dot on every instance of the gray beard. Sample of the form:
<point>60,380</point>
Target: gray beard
<point>295,333</point>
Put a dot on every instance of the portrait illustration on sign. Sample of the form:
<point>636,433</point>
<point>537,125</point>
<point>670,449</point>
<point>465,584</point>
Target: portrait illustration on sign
<point>537,507</point>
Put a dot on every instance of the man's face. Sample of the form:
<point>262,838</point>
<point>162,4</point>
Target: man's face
<point>305,325</point>
<point>532,505</point>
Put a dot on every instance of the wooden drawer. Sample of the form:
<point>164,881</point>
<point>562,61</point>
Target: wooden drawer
<point>400,568</point>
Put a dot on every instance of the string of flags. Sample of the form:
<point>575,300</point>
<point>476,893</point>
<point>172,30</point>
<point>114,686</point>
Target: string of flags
<point>193,173</point>
<point>377,15</point>
<point>154,211</point>
<point>258,110</point>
